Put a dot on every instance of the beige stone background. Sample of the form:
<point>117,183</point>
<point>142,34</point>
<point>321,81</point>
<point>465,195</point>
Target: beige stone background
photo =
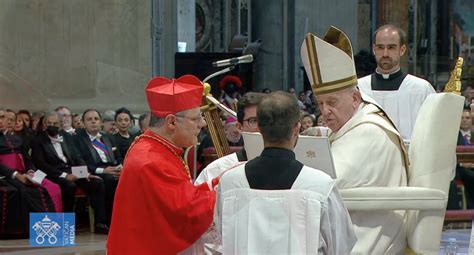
<point>78,53</point>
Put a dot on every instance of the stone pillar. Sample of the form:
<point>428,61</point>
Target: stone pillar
<point>164,36</point>
<point>397,13</point>
<point>187,24</point>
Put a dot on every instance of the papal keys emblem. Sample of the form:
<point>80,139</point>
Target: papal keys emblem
<point>46,228</point>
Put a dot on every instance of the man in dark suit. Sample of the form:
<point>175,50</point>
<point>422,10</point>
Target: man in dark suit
<point>465,171</point>
<point>98,152</point>
<point>54,153</point>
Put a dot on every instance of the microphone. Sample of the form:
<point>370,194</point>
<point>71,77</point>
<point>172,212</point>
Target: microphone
<point>234,61</point>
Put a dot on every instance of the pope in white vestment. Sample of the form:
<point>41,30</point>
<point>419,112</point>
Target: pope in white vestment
<point>401,105</point>
<point>367,153</point>
<point>367,149</point>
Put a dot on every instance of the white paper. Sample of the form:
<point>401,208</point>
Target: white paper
<point>311,151</point>
<point>80,171</point>
<point>38,177</point>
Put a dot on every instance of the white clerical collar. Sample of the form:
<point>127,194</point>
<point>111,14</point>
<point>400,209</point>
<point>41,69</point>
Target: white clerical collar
<point>386,75</point>
<point>98,136</point>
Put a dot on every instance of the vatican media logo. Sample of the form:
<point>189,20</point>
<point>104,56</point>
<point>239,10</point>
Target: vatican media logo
<point>52,229</point>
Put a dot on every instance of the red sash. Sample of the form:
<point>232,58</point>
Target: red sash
<point>14,161</point>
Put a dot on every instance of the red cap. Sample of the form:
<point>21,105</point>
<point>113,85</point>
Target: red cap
<point>167,96</point>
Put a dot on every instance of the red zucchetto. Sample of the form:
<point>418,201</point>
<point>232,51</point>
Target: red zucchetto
<point>167,96</point>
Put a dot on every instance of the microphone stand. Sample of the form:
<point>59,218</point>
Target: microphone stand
<point>215,101</point>
<point>215,127</point>
<point>225,70</point>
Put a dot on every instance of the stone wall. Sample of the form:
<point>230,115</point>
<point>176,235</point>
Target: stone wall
<point>78,53</point>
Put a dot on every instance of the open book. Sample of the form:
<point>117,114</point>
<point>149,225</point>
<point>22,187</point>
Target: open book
<point>312,151</point>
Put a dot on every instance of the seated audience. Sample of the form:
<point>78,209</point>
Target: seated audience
<point>464,171</point>
<point>19,195</point>
<point>54,153</point>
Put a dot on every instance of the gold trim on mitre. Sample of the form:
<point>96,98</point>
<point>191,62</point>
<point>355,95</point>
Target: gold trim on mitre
<point>329,62</point>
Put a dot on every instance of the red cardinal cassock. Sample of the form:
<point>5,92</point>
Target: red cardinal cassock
<point>157,209</point>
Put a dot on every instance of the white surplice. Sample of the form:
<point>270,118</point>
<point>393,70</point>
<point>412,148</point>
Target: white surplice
<point>367,153</point>
<point>216,168</point>
<point>307,219</point>
<point>401,105</point>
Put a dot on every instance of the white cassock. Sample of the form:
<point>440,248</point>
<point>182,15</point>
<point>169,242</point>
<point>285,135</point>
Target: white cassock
<point>308,219</point>
<point>367,153</point>
<point>401,105</point>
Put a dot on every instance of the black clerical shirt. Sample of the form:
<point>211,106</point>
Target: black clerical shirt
<point>393,82</point>
<point>275,168</point>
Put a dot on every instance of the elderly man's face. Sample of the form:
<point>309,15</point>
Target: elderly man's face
<point>109,127</point>
<point>52,120</point>
<point>67,118</point>
<point>188,125</point>
<point>232,133</point>
<point>338,107</point>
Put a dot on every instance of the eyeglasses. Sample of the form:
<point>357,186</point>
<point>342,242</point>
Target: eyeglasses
<point>195,119</point>
<point>252,121</point>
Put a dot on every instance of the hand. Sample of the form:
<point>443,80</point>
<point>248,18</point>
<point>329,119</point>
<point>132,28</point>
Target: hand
<point>22,178</point>
<point>111,170</point>
<point>71,177</point>
<point>91,176</point>
<point>30,173</point>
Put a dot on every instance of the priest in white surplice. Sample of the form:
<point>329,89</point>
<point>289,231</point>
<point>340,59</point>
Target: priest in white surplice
<point>400,94</point>
<point>366,147</point>
<point>274,204</point>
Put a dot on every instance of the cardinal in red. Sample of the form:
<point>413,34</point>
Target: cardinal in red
<point>157,209</point>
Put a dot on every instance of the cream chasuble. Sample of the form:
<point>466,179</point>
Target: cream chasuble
<point>367,153</point>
